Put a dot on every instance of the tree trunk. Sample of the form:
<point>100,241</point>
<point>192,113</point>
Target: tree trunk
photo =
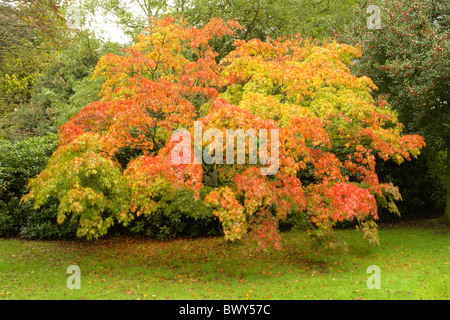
<point>447,207</point>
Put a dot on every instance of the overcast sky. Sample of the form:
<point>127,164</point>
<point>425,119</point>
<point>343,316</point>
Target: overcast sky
<point>104,26</point>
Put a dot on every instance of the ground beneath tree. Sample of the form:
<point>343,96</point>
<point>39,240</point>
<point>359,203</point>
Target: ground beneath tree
<point>413,259</point>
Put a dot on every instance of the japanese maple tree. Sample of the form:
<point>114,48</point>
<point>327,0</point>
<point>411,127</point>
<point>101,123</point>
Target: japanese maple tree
<point>321,122</point>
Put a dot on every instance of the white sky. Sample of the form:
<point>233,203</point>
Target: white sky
<point>104,26</point>
<point>109,31</point>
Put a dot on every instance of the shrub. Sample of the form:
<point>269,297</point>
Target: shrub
<point>181,216</point>
<point>20,161</point>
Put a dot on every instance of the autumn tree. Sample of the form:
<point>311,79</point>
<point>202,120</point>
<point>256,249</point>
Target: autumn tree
<point>318,124</point>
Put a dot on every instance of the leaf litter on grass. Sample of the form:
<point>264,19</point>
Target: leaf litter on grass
<point>414,267</point>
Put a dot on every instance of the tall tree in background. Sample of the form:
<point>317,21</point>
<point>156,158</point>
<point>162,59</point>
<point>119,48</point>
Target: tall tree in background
<point>31,32</point>
<point>272,18</point>
<point>47,64</point>
<point>408,59</point>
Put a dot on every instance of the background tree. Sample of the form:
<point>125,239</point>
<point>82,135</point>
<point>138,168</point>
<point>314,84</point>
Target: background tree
<point>408,60</point>
<point>271,18</point>
<point>57,86</point>
<point>31,32</point>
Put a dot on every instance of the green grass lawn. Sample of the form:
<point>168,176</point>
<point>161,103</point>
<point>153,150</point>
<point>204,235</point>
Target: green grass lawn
<point>413,260</point>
